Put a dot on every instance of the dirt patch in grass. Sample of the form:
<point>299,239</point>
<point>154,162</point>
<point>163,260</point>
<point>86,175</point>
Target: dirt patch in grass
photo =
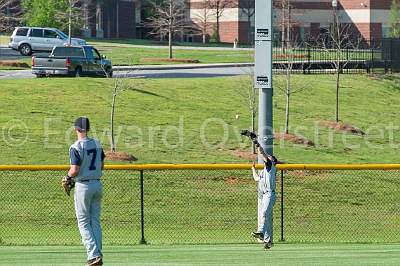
<point>342,127</point>
<point>295,139</point>
<point>12,63</point>
<point>173,60</point>
<point>232,180</point>
<point>120,157</point>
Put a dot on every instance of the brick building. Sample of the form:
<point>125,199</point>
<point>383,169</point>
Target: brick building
<point>368,18</point>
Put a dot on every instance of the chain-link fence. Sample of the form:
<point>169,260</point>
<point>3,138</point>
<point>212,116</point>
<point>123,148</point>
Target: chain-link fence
<point>342,206</point>
<point>172,206</point>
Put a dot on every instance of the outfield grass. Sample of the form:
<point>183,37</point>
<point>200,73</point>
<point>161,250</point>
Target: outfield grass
<point>202,107</point>
<point>221,255</point>
<point>205,207</point>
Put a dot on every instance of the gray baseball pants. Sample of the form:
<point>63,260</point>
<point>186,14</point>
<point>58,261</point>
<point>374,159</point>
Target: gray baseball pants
<point>265,206</point>
<point>87,198</point>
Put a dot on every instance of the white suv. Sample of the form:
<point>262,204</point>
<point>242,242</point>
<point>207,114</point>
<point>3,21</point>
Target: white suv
<point>27,40</point>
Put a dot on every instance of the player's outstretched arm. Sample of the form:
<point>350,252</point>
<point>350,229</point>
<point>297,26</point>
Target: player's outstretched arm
<point>255,174</point>
<point>264,154</point>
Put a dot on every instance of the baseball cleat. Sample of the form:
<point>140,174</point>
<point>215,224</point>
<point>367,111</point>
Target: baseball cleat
<point>257,235</point>
<point>267,245</point>
<point>94,262</point>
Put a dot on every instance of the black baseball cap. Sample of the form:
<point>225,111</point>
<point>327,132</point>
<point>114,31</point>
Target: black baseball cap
<point>82,124</point>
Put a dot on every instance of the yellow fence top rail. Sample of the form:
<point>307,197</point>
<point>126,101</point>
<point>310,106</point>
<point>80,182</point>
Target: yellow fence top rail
<point>139,167</point>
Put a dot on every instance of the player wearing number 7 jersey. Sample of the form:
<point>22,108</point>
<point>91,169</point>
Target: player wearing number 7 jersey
<point>87,163</point>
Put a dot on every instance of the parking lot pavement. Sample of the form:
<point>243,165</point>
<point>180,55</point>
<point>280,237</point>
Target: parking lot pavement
<point>10,54</point>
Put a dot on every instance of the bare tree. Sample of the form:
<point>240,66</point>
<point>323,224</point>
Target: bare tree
<point>202,19</point>
<point>248,94</point>
<point>168,19</point>
<point>10,14</point>
<point>73,13</point>
<point>288,87</point>
<point>121,83</point>
<point>290,43</point>
<point>286,20</point>
<point>341,37</point>
<point>218,8</point>
<point>248,8</point>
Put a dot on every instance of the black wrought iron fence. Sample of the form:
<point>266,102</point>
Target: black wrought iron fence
<point>376,56</point>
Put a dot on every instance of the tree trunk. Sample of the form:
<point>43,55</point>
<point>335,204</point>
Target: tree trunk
<point>70,22</point>
<point>288,92</point>
<point>337,91</point>
<point>112,118</point>
<point>289,58</point>
<point>283,22</point>
<point>250,39</point>
<point>204,38</point>
<point>170,43</point>
<point>217,26</point>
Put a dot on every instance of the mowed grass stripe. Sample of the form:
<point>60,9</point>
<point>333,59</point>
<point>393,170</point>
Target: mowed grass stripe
<point>280,254</point>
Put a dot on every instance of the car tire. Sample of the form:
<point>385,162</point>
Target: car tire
<point>78,72</point>
<point>25,49</point>
<point>109,73</point>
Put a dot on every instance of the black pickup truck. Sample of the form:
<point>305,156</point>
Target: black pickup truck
<point>74,61</point>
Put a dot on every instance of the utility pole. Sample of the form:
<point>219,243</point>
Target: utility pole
<point>263,72</point>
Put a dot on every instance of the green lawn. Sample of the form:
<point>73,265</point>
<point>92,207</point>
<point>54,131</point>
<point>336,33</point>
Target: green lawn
<point>4,39</point>
<point>127,54</point>
<point>226,255</point>
<point>148,118</point>
<point>158,43</point>
<point>133,52</point>
<point>11,68</point>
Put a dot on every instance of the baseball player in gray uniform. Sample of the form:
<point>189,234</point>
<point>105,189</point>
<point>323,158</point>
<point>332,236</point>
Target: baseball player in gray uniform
<point>87,163</point>
<point>266,197</point>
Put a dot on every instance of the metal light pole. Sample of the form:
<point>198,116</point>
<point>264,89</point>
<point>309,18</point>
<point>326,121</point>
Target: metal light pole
<point>263,76</point>
<point>263,72</point>
<point>334,7</point>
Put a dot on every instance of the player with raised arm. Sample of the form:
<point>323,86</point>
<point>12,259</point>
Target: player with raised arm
<point>266,197</point>
<point>87,163</point>
<point>266,192</point>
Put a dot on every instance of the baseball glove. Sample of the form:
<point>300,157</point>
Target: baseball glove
<point>67,183</point>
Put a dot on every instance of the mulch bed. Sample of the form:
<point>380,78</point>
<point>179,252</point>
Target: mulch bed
<point>342,127</point>
<point>120,157</point>
<point>296,139</point>
<point>173,60</point>
<point>11,63</point>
